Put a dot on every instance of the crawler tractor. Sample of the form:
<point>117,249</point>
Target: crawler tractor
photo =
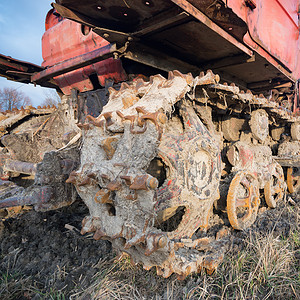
<point>179,120</point>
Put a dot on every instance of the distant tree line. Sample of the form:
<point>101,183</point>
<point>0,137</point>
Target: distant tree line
<point>11,98</point>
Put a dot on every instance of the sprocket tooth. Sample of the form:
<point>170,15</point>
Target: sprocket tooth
<point>72,177</point>
<point>99,234</point>
<point>189,78</point>
<point>159,271</point>
<point>171,75</point>
<point>158,78</point>
<point>114,185</point>
<point>108,118</point>
<point>124,86</point>
<point>178,73</point>
<point>141,110</point>
<point>85,181</point>
<point>181,276</point>
<point>112,93</point>
<point>87,225</point>
<point>103,196</point>
<point>209,71</point>
<point>147,267</point>
<point>109,146</point>
<point>139,83</point>
<point>211,74</point>
<point>168,271</point>
<point>85,126</point>
<point>95,121</point>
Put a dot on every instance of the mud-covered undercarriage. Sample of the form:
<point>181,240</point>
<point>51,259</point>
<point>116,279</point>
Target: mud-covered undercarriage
<point>164,167</point>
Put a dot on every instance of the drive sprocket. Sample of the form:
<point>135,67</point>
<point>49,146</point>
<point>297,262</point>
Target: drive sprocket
<point>149,174</point>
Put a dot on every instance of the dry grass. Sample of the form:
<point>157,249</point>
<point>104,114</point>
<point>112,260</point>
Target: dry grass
<point>265,269</point>
<point>267,266</point>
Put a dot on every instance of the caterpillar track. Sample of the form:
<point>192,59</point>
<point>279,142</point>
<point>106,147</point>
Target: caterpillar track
<point>34,160</point>
<point>167,157</point>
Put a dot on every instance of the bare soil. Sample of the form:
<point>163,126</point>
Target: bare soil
<point>43,256</point>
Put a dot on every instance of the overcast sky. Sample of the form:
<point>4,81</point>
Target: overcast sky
<point>22,24</point>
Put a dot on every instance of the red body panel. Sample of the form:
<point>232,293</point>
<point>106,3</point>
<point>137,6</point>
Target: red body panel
<point>273,30</point>
<point>67,39</point>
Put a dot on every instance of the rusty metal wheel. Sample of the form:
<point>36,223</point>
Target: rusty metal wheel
<point>259,124</point>
<point>275,188</point>
<point>243,200</point>
<point>295,131</point>
<point>293,181</point>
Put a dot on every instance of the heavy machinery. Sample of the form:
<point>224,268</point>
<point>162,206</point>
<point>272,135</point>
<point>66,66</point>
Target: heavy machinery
<point>161,151</point>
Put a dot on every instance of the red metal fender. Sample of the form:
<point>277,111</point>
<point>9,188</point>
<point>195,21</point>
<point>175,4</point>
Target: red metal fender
<point>65,40</point>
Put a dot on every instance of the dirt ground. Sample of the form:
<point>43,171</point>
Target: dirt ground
<point>43,256</point>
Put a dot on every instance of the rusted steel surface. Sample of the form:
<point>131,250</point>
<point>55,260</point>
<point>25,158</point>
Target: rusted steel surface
<point>75,63</point>
<point>293,180</point>
<point>273,30</point>
<point>219,28</point>
<point>247,200</point>
<point>76,57</point>
<point>186,6</point>
<point>288,161</point>
<point>17,70</point>
<point>38,196</point>
<point>20,167</point>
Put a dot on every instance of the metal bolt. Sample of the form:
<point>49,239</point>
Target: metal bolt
<point>152,183</point>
